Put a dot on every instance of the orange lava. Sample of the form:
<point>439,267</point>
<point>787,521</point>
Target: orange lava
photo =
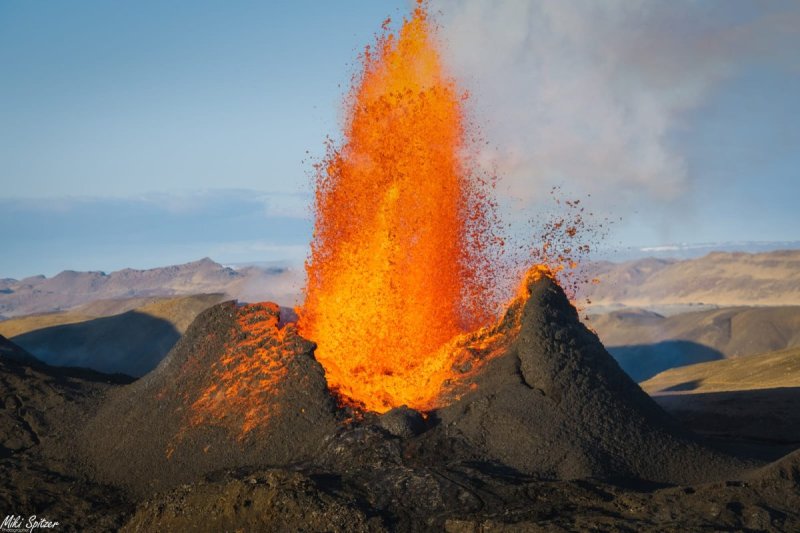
<point>245,380</point>
<point>400,268</point>
<point>469,352</point>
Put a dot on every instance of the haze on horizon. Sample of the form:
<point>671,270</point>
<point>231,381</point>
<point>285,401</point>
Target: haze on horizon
<point>144,134</point>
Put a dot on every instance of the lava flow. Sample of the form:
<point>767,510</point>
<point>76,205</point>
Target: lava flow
<point>401,265</point>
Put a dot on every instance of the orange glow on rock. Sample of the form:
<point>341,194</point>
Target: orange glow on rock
<point>400,269</point>
<point>250,370</point>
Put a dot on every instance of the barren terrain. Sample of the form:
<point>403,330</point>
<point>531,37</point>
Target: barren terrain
<point>128,336</point>
<point>552,436</point>
<point>719,278</point>
<point>70,289</point>
<point>646,343</point>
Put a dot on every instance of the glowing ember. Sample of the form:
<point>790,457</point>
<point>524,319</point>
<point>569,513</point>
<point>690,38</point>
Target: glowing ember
<point>241,389</point>
<point>400,263</point>
<point>562,243</point>
<point>252,366</point>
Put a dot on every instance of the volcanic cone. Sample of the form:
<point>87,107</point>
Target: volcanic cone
<point>556,404</point>
<point>239,388</point>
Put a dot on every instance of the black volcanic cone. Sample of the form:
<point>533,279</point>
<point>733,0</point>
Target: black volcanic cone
<point>555,405</point>
<point>558,405</point>
<point>225,396</point>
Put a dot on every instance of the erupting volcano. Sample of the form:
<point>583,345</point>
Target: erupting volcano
<point>403,398</point>
<point>404,244</point>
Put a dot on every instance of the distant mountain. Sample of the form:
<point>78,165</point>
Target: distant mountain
<point>719,278</point>
<point>695,250</point>
<point>69,289</point>
<point>732,331</point>
<point>646,343</point>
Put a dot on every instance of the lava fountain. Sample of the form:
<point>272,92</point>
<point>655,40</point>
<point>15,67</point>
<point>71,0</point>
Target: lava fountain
<point>401,263</point>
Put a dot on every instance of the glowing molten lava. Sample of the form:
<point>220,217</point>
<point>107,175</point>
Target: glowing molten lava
<point>249,370</point>
<point>399,265</point>
<point>242,390</point>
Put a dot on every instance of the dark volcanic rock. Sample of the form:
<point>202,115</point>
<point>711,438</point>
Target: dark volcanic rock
<point>402,422</point>
<point>237,430</point>
<point>557,405</point>
<point>785,470</point>
<point>271,500</point>
<point>40,408</point>
<point>385,492</point>
<point>229,394</point>
<point>12,352</point>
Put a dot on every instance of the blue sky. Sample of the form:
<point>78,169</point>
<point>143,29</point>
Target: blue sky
<point>153,132</point>
<point>124,98</point>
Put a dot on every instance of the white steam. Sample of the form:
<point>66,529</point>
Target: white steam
<point>587,93</point>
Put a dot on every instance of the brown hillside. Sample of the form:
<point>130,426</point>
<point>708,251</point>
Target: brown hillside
<point>69,289</point>
<point>720,278</point>
<point>763,371</point>
<point>132,342</point>
<point>753,397</point>
<point>646,343</point>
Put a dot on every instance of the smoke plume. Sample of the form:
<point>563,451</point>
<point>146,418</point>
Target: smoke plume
<point>590,94</point>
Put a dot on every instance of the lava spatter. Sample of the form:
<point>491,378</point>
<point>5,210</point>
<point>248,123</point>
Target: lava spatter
<point>401,262</point>
<point>242,390</point>
<point>250,369</point>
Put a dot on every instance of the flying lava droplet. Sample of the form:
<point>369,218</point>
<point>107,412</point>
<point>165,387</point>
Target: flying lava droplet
<point>401,260</point>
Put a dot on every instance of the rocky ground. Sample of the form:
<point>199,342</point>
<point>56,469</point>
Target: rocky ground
<point>42,407</point>
<point>551,436</point>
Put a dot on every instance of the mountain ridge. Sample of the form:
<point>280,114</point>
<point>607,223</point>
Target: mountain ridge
<point>718,278</point>
<point>69,289</point>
